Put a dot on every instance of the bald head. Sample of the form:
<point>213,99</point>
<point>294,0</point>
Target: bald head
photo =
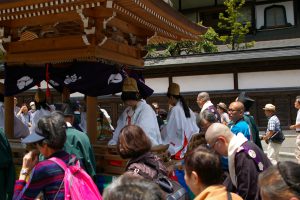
<point>236,111</point>
<point>238,105</point>
<point>216,130</point>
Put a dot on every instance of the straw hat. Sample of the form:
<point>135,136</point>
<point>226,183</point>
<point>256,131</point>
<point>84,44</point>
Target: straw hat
<point>129,85</point>
<point>174,89</point>
<point>270,107</point>
<point>222,105</point>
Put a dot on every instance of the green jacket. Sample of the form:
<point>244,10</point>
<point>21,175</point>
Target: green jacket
<point>78,143</point>
<point>7,169</point>
<point>254,130</point>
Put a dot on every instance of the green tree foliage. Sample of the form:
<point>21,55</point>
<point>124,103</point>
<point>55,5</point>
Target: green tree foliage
<point>235,24</point>
<point>204,44</point>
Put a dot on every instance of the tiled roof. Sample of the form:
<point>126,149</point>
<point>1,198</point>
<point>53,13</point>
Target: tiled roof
<point>269,44</point>
<point>228,57</point>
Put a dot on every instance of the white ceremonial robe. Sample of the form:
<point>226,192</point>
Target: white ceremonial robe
<point>177,128</point>
<point>144,117</point>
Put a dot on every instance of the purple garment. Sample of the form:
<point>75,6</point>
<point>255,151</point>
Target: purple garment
<point>213,109</point>
<point>250,161</point>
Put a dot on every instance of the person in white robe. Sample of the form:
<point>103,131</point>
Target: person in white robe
<point>42,109</point>
<point>137,113</point>
<point>20,129</point>
<point>181,123</point>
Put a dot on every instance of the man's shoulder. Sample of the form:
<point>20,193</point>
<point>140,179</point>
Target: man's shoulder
<point>250,151</point>
<point>73,132</point>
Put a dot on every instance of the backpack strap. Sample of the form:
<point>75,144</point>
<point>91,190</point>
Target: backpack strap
<point>63,165</point>
<point>59,162</point>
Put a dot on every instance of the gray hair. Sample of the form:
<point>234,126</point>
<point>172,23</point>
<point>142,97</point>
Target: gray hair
<point>281,181</point>
<point>204,96</point>
<point>206,115</point>
<point>298,98</point>
<point>130,187</point>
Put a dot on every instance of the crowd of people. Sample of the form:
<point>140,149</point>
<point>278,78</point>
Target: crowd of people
<point>219,147</point>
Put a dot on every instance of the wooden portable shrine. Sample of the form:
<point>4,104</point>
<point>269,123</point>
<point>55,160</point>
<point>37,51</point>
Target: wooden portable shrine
<point>35,32</point>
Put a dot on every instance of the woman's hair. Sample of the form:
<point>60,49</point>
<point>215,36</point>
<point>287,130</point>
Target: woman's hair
<point>184,105</point>
<point>133,142</point>
<point>53,128</point>
<point>132,188</point>
<point>281,182</point>
<point>206,163</point>
<point>196,140</point>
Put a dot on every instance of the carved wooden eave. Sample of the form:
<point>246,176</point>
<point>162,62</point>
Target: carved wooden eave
<point>43,31</point>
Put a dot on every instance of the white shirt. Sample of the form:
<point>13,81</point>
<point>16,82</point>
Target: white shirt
<point>206,105</point>
<point>177,126</point>
<point>298,120</point>
<point>144,117</point>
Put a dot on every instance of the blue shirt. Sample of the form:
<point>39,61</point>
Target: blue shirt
<point>241,127</point>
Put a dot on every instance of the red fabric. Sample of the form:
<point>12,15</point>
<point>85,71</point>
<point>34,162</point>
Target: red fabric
<point>185,143</point>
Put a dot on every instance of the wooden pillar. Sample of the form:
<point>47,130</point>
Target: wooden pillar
<point>235,80</point>
<point>65,95</point>
<point>9,116</point>
<point>91,115</point>
<point>1,88</point>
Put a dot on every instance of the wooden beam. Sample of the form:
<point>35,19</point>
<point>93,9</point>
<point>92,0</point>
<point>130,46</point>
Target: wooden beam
<point>46,44</point>
<point>121,48</point>
<point>91,114</point>
<point>65,55</point>
<point>110,55</point>
<point>99,12</point>
<point>127,27</point>
<point>15,4</point>
<point>9,116</point>
<point>42,20</point>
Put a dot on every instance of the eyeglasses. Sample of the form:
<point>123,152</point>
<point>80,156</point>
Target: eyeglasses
<point>214,144</point>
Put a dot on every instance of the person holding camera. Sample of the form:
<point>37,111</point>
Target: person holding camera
<point>24,115</point>
<point>273,133</point>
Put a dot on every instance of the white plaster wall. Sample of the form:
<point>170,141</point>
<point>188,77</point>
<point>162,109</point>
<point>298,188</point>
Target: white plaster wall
<point>205,82</point>
<point>261,8</point>
<point>274,79</point>
<point>159,85</point>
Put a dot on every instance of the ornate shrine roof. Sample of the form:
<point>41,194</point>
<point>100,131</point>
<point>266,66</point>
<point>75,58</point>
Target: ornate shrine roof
<point>43,31</point>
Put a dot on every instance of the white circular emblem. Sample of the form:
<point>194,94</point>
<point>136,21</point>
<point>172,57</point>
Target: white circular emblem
<point>252,153</point>
<point>261,166</point>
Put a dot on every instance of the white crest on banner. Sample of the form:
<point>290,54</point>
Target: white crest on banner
<point>53,83</point>
<point>24,81</point>
<point>115,78</point>
<point>71,79</point>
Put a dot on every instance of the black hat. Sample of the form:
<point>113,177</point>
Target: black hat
<point>247,101</point>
